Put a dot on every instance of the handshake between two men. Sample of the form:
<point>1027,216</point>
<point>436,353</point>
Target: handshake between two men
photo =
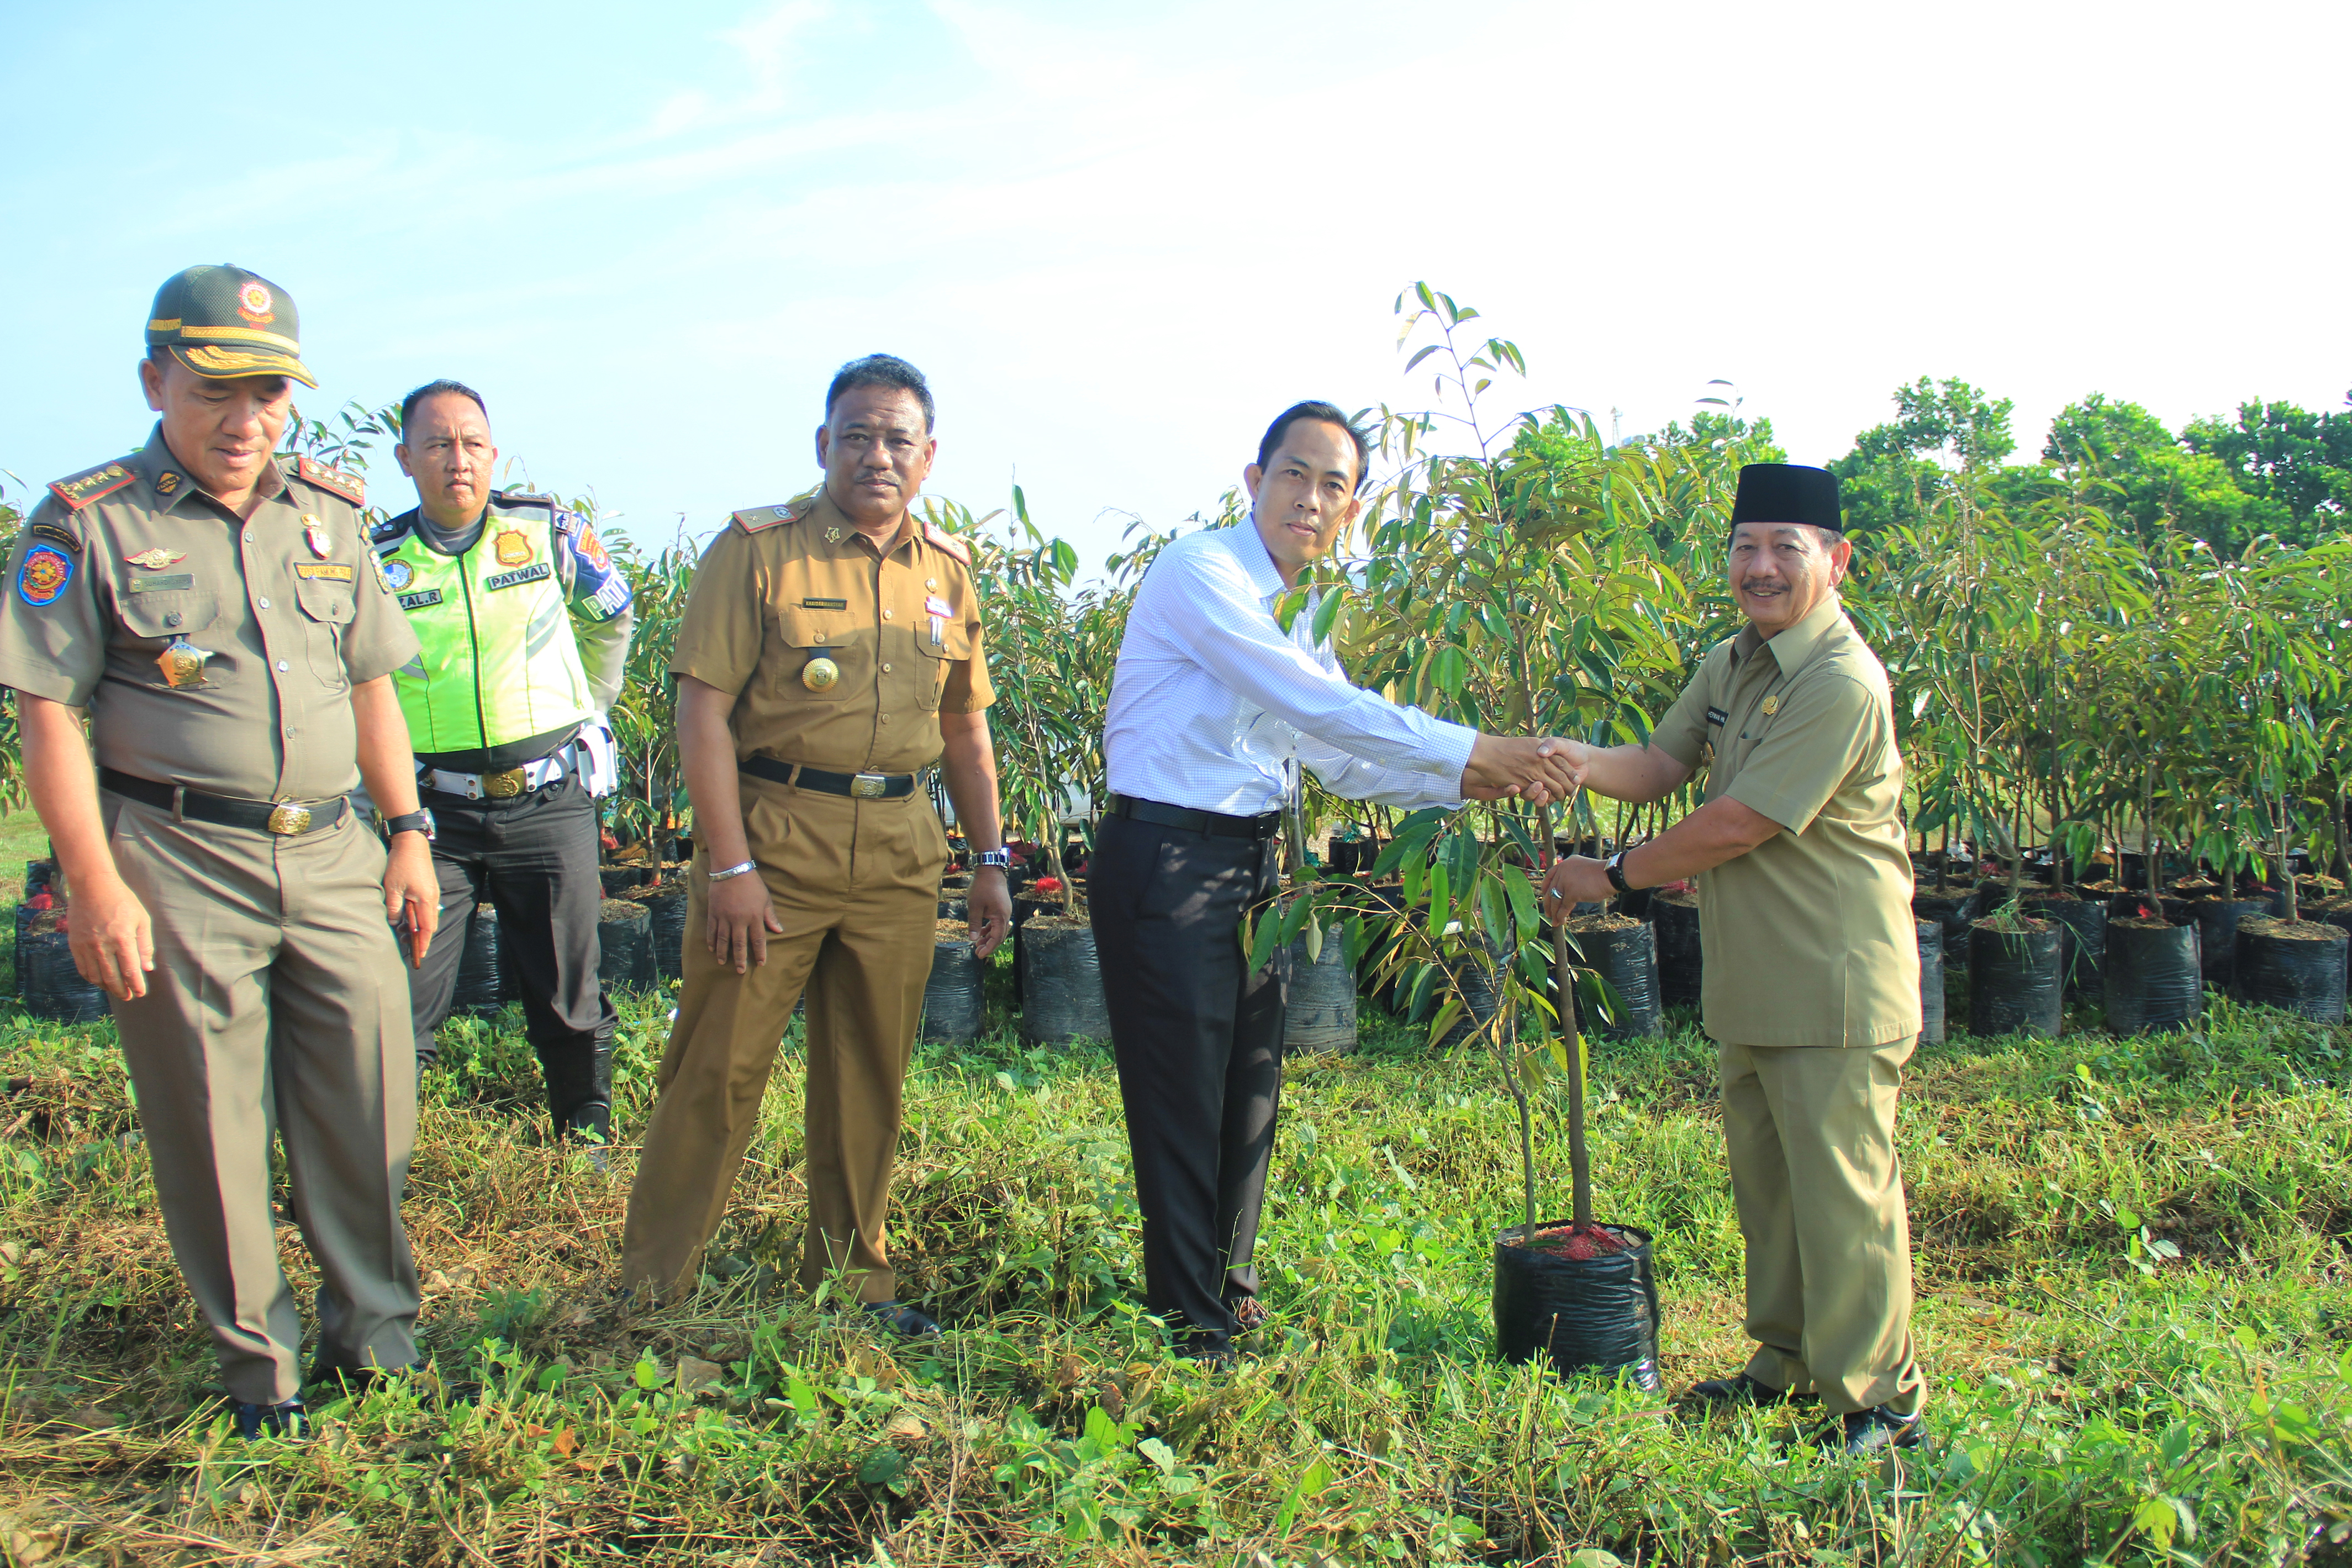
<point>1541,770</point>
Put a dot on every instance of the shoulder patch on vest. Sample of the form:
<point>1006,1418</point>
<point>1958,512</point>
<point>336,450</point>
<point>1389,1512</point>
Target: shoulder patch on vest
<point>948,543</point>
<point>335,481</point>
<point>78,490</point>
<point>55,535</point>
<point>754,520</point>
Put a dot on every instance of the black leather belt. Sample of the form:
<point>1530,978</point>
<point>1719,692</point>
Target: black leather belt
<point>1216,824</point>
<point>858,786</point>
<point>283,818</point>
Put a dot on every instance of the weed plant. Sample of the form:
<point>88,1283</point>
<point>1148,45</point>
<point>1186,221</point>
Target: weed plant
<point>2132,1305</point>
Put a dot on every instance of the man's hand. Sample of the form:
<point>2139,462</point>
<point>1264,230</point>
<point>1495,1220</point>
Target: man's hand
<point>412,893</point>
<point>989,908</point>
<point>113,942</point>
<point>743,918</point>
<point>1574,879</point>
<point>1537,771</point>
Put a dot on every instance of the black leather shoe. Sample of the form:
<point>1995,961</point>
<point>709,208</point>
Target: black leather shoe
<point>1741,1389</point>
<point>1873,1431</point>
<point>590,1128</point>
<point>1210,1351</point>
<point>905,1321</point>
<point>288,1419</point>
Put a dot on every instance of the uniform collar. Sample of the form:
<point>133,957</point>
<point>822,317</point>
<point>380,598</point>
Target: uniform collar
<point>171,483</point>
<point>1792,647</point>
<point>824,515</point>
<point>1249,548</point>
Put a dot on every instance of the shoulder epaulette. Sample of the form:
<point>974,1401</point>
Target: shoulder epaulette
<point>948,543</point>
<point>335,481</point>
<point>80,490</point>
<point>752,520</point>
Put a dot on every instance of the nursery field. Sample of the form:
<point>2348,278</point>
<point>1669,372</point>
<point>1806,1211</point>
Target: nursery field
<point>2136,1309</point>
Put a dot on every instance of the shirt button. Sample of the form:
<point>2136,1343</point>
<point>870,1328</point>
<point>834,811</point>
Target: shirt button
<point>281,664</point>
<point>248,536</point>
<point>264,604</point>
<point>930,582</point>
<point>886,719</point>
<point>886,669</point>
<point>173,619</point>
<point>885,615</point>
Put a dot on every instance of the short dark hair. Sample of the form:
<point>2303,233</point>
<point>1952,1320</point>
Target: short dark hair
<point>882,370</point>
<point>1324,413</point>
<point>434,389</point>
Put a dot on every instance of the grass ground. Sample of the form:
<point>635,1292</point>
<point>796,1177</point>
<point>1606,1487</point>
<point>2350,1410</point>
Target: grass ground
<point>2135,1304</point>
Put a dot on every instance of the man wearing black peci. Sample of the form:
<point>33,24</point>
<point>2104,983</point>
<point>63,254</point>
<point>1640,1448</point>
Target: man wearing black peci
<point>1214,708</point>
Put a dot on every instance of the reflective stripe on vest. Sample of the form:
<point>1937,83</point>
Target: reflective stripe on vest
<point>499,664</point>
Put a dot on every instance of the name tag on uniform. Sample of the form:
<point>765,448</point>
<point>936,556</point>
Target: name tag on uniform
<point>332,570</point>
<point>420,599</point>
<point>530,573</point>
<point>177,580</point>
<point>1717,716</point>
<point>824,604</point>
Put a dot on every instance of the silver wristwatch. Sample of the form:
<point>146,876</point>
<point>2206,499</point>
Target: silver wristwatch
<point>1001,859</point>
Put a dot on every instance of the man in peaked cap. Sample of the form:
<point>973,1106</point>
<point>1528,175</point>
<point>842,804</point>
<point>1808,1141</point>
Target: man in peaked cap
<point>213,610</point>
<point>1812,985</point>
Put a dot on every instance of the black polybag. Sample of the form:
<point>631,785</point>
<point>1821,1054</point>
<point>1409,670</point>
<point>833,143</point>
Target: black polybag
<point>1673,917</point>
<point>665,938</point>
<point>1061,984</point>
<point>1628,960</point>
<point>2153,981</point>
<point>1599,1314</point>
<point>478,986</point>
<point>2015,981</point>
<point>2304,976</point>
<point>624,946</point>
<point>1319,1011</point>
<point>54,989</point>
<point>952,996</point>
<point>1931,982</point>
<point>2217,932</point>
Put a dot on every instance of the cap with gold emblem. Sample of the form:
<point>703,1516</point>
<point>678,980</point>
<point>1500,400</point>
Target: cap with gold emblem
<point>224,322</point>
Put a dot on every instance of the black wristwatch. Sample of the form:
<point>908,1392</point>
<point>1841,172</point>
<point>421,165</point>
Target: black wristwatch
<point>1615,866</point>
<point>416,821</point>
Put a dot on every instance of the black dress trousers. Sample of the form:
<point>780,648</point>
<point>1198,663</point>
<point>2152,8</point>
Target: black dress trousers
<point>534,858</point>
<point>1198,1037</point>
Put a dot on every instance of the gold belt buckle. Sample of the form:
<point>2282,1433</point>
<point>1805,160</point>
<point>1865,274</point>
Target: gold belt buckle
<point>503,786</point>
<point>288,818</point>
<point>869,786</point>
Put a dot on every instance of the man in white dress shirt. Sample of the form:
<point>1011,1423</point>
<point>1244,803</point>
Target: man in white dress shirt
<point>1211,707</point>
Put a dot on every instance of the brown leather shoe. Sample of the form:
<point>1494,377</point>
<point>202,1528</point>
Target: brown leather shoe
<point>1249,1312</point>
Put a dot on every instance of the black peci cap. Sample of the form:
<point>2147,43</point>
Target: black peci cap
<point>1788,493</point>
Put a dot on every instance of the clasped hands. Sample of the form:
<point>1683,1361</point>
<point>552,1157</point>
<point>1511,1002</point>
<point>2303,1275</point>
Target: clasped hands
<point>1539,770</point>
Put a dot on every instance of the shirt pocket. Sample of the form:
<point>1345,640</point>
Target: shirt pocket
<point>327,610</point>
<point>152,622</point>
<point>954,643</point>
<point>801,635</point>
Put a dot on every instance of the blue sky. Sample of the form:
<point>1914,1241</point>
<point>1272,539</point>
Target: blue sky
<point>1119,237</point>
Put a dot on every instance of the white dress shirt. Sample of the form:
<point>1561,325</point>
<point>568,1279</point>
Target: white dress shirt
<point>1213,705</point>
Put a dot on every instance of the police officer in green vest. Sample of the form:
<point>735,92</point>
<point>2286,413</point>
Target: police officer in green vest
<point>524,621</point>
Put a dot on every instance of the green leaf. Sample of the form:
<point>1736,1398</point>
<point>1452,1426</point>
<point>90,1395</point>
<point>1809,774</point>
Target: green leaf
<point>882,1466</point>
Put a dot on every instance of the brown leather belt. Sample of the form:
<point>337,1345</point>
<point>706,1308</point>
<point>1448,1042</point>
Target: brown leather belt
<point>858,786</point>
<point>285,819</point>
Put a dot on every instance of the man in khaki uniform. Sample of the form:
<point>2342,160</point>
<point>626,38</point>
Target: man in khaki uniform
<point>217,615</point>
<point>1812,989</point>
<point>831,648</point>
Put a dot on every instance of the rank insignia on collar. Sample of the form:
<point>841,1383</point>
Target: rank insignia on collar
<point>183,664</point>
<point>833,536</point>
<point>513,547</point>
<point>1770,705</point>
<point>156,559</point>
<point>314,533</point>
<point>166,482</point>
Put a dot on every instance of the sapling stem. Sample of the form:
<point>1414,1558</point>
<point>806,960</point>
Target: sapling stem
<point>1579,1161</point>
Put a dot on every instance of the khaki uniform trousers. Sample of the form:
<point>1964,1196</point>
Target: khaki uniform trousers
<point>855,885</point>
<point>278,1003</point>
<point>1811,1132</point>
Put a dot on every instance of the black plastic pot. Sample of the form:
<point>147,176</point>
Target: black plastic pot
<point>952,996</point>
<point>2217,932</point>
<point>1636,903</point>
<point>2083,940</point>
<point>1320,1013</point>
<point>1598,1314</point>
<point>478,980</point>
<point>1479,1002</point>
<point>53,988</point>
<point>1931,982</point>
<point>666,932</point>
<point>2153,979</point>
<point>1951,910</point>
<point>619,879</point>
<point>2015,980</point>
<point>2298,969</point>
<point>1627,957</point>
<point>1673,917</point>
<point>624,946</point>
<point>1061,983</point>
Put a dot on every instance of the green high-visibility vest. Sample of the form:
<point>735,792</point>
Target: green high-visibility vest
<point>499,664</point>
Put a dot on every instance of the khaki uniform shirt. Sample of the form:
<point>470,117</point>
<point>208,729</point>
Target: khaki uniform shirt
<point>781,585</point>
<point>1808,937</point>
<point>148,560</point>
